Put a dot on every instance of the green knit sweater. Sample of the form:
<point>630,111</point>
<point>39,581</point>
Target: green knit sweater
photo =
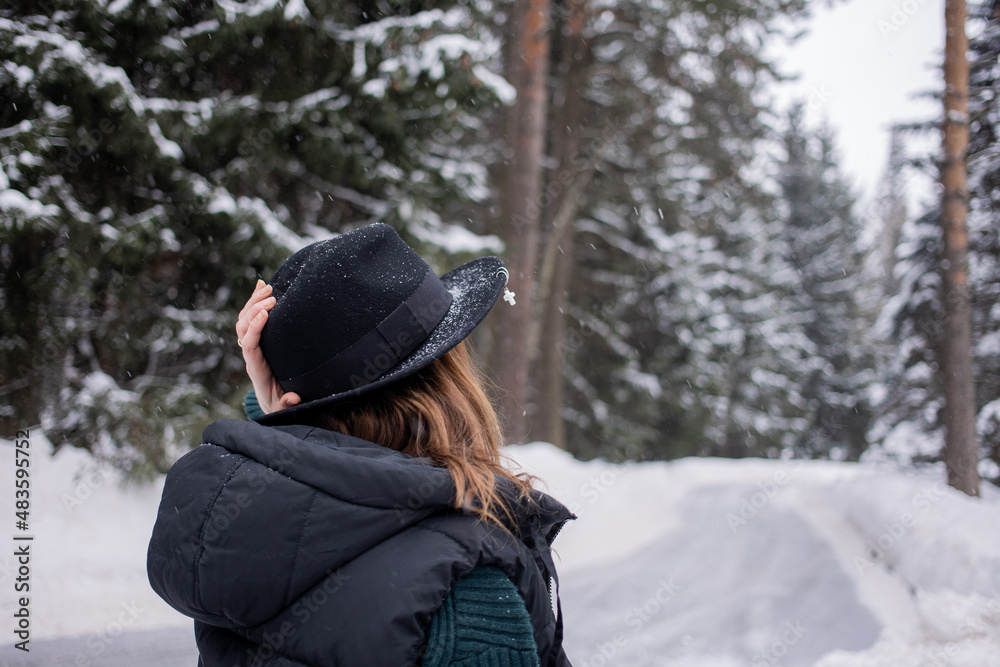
<point>482,623</point>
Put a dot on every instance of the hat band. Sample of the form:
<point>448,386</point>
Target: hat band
<point>392,339</point>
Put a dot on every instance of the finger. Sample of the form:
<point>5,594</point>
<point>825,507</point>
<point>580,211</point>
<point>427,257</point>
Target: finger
<point>261,291</point>
<point>250,339</point>
<point>256,365</point>
<point>287,400</point>
<point>250,315</point>
<point>258,295</point>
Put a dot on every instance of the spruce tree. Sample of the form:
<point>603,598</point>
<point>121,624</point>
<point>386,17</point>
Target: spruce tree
<point>908,426</point>
<point>158,157</point>
<point>823,248</point>
<point>678,342</point>
<point>984,233</point>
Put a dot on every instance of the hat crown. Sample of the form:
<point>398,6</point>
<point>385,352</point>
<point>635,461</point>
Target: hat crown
<point>332,293</point>
<point>362,311</point>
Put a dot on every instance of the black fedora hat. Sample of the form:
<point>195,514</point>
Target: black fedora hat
<point>362,310</point>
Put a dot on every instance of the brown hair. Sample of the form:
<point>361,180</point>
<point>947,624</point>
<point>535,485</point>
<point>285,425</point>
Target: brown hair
<point>441,413</point>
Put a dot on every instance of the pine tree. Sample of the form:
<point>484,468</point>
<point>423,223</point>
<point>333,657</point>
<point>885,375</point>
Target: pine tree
<point>908,428</point>
<point>822,238</point>
<point>678,342</point>
<point>158,157</point>
<point>910,424</point>
<point>984,233</point>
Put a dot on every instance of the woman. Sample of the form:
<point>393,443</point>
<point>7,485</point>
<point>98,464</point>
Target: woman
<point>364,517</point>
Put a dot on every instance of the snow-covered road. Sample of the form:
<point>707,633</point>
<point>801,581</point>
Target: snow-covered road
<point>770,592</point>
<point>724,563</point>
<point>169,647</point>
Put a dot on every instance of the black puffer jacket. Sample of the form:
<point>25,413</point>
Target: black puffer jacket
<point>297,546</point>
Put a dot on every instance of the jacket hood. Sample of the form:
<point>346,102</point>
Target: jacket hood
<point>276,510</point>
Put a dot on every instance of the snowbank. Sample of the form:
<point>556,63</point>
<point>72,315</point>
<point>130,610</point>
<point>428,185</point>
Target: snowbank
<point>88,556</point>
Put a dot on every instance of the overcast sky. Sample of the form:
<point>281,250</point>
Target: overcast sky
<point>860,64</point>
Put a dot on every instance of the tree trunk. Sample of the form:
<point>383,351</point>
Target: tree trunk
<point>893,213</point>
<point>548,327</point>
<point>521,212</point>
<point>960,447</point>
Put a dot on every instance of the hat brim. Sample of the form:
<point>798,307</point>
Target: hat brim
<point>475,288</point>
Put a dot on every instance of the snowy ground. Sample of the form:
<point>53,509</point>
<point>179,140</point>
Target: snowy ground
<point>729,563</point>
<point>704,562</point>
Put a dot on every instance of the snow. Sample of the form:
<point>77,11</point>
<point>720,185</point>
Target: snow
<point>221,201</point>
<point>905,442</point>
<point>505,92</point>
<point>13,200</point>
<point>118,6</point>
<point>452,238</point>
<point>90,544</point>
<point>692,562</point>
<point>14,130</point>
<point>988,344</point>
<point>648,382</point>
<point>753,551</point>
<point>375,87</point>
<point>293,9</point>
<point>166,147</point>
<point>989,412</point>
<point>360,67</point>
<point>199,29</point>
<point>63,52</point>
<point>377,32</point>
<point>437,48</point>
<point>23,75</point>
<point>273,227</point>
<point>74,54</point>
<point>425,55</point>
<point>429,57</point>
<point>296,9</point>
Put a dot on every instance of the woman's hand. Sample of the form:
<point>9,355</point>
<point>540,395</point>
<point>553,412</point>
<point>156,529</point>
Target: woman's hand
<point>270,396</point>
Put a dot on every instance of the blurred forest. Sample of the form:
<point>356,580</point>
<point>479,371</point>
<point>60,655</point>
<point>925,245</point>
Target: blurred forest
<point>702,280</point>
